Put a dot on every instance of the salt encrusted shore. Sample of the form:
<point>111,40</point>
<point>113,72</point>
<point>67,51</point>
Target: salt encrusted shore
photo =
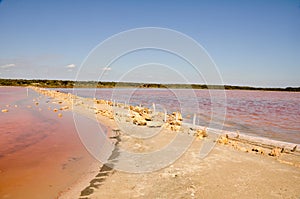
<point>266,168</point>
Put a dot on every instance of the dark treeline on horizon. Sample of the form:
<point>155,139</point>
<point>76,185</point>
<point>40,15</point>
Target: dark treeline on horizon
<point>93,84</point>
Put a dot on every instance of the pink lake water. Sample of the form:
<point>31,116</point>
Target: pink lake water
<point>41,154</point>
<point>269,114</point>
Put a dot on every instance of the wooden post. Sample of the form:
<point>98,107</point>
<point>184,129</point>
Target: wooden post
<point>165,119</point>
<point>194,119</point>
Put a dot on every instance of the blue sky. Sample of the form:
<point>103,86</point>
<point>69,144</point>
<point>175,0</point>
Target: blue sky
<point>254,43</point>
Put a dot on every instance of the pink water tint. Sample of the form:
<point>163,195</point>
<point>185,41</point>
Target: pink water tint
<point>40,153</point>
<point>271,114</point>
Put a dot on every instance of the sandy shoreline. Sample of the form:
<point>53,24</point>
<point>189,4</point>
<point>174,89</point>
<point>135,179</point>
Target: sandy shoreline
<point>283,158</point>
<point>74,190</point>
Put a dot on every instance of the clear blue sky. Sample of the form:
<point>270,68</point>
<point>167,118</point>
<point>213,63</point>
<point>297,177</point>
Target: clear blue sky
<point>254,43</point>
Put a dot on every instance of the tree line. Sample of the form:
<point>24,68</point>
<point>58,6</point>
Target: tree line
<point>94,84</point>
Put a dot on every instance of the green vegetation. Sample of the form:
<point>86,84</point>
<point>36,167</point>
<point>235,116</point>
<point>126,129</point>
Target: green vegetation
<point>93,84</point>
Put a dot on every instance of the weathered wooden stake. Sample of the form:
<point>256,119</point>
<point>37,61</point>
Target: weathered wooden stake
<point>194,119</point>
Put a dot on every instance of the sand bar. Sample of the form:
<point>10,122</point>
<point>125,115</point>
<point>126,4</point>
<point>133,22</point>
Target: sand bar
<point>238,166</point>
